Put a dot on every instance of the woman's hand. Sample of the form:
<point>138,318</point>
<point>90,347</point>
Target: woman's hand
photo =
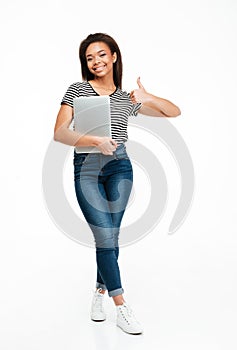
<point>138,95</point>
<point>153,105</point>
<point>106,145</point>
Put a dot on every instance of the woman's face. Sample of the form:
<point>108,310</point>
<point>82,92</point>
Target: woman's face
<point>100,59</point>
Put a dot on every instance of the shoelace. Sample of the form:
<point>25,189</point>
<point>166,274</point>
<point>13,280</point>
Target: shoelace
<point>98,299</point>
<point>129,310</point>
<point>126,312</point>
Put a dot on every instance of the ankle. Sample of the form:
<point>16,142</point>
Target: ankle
<point>118,300</point>
<point>100,290</point>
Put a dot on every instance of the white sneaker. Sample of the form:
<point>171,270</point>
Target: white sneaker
<point>97,308</point>
<point>126,320</point>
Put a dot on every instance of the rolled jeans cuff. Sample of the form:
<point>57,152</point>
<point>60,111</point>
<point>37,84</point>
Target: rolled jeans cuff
<point>101,285</point>
<point>114,293</point>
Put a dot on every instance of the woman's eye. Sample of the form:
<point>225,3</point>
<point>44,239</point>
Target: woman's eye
<point>103,54</point>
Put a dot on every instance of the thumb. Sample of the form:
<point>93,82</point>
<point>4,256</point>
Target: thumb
<point>113,142</point>
<point>140,84</point>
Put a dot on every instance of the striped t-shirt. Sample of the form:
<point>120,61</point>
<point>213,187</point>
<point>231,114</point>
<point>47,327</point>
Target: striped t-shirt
<point>121,107</point>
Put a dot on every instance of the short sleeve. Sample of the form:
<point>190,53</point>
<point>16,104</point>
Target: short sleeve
<point>136,108</point>
<point>71,93</point>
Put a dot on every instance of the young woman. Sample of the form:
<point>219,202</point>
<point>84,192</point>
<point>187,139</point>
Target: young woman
<point>103,179</point>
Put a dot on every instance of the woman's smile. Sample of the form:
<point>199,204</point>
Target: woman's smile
<point>100,59</point>
<point>99,68</point>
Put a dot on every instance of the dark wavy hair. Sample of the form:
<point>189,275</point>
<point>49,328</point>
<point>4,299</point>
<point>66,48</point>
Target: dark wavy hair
<point>118,65</point>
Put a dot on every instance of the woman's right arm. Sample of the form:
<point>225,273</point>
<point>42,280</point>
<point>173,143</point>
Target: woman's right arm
<point>63,134</point>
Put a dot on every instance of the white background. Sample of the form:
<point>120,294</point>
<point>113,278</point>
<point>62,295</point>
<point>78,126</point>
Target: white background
<point>182,287</point>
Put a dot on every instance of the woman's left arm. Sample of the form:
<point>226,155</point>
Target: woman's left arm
<point>152,105</point>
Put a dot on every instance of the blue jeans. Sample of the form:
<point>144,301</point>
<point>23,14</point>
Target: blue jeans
<point>103,185</point>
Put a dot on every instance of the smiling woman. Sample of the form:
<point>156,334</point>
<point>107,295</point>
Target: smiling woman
<point>108,48</point>
<point>103,181</point>
<point>100,62</point>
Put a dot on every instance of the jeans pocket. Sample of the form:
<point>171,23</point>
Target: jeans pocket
<point>121,156</point>
<point>78,162</point>
<point>121,153</point>
<point>79,159</point>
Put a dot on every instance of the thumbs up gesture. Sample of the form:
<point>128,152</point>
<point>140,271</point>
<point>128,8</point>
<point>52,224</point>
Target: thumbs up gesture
<point>138,95</point>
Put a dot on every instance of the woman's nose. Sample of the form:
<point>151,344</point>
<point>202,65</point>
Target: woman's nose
<point>97,59</point>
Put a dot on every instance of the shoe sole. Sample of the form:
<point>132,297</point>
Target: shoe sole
<point>133,333</point>
<point>97,320</point>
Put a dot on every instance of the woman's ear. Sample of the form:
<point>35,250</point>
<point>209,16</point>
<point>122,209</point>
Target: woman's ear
<point>114,57</point>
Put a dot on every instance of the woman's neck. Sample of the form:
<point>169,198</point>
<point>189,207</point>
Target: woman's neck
<point>106,83</point>
<point>103,86</point>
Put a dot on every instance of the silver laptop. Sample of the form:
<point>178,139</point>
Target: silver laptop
<point>92,117</point>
